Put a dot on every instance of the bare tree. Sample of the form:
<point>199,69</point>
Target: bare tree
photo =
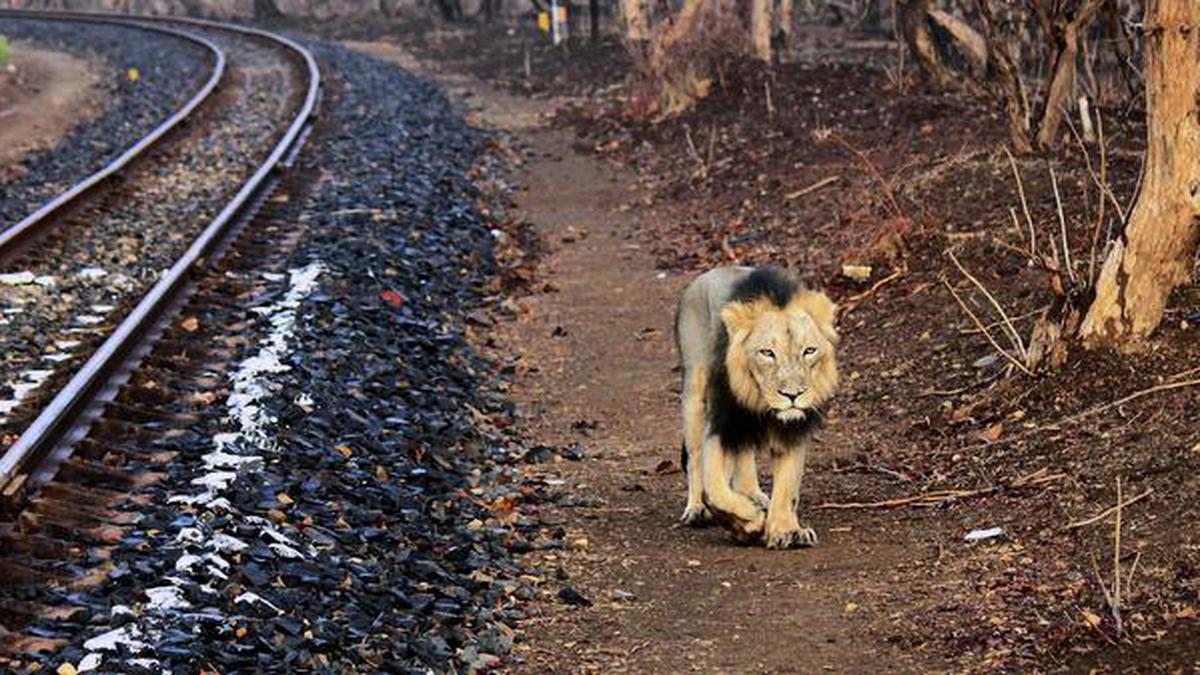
<point>1062,26</point>
<point>912,18</point>
<point>1155,253</point>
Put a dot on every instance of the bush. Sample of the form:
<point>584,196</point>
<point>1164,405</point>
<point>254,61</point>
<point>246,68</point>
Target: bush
<point>676,68</point>
<point>5,51</point>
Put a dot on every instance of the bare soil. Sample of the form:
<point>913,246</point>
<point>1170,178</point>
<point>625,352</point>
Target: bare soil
<point>42,97</point>
<point>927,404</point>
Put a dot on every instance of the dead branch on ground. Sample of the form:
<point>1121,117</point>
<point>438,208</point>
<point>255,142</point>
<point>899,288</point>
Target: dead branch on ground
<point>1110,510</point>
<point>938,497</point>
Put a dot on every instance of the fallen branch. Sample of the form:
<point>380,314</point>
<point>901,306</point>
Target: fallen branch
<point>1110,510</point>
<point>849,304</point>
<point>936,497</point>
<point>812,188</point>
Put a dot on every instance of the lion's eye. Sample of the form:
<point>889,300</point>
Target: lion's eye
<point>809,351</point>
<point>767,354</point>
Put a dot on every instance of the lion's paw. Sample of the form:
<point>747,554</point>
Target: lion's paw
<point>760,499</point>
<point>696,515</point>
<point>802,537</point>
<point>748,531</point>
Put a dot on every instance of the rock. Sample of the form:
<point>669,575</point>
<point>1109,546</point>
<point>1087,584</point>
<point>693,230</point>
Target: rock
<point>573,597</point>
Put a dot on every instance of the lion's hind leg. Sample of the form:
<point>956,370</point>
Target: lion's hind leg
<point>783,529</point>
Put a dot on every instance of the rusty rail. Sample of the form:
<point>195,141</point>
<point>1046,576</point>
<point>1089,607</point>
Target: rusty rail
<point>46,442</point>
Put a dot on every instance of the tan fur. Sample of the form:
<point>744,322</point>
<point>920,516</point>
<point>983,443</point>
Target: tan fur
<point>790,384</point>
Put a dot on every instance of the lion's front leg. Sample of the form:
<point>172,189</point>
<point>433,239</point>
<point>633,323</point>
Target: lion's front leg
<point>783,529</point>
<point>745,478</point>
<point>746,517</point>
<point>695,513</point>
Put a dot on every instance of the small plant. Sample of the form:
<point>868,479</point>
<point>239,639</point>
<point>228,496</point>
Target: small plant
<point>5,51</point>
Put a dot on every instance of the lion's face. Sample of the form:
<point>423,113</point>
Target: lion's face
<point>782,360</point>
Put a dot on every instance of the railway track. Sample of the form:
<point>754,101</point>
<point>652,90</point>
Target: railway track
<point>136,372</point>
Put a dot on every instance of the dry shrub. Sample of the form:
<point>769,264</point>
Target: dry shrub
<point>675,68</point>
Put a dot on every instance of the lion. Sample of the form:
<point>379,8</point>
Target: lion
<point>759,370</point>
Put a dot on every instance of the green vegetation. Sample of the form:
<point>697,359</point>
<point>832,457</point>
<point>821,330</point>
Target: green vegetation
<point>5,51</point>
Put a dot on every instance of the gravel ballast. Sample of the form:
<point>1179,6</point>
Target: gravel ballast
<point>357,501</point>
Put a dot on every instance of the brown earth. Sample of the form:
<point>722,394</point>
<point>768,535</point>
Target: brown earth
<point>927,406</point>
<point>42,97</point>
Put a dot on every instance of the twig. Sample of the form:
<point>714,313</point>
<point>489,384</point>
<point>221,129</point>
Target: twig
<point>874,171</point>
<point>1189,371</point>
<point>849,304</point>
<point>687,131</point>
<point>1110,510</point>
<point>1012,211</point>
<point>1132,568</point>
<point>1095,410</point>
<point>812,188</point>
<point>1106,192</point>
<point>933,498</point>
<point>1108,598</point>
<point>1013,335</point>
<point>988,334</point>
<point>1116,604</point>
<point>1024,204</point>
<point>770,105</point>
<point>1062,219</point>
<point>996,324</point>
<point>877,468</point>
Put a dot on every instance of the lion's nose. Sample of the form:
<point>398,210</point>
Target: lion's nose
<point>791,395</point>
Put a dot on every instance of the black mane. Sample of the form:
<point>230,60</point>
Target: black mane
<point>766,282</point>
<point>738,427</point>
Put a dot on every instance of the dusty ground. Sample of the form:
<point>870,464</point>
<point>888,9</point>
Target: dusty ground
<point>597,370</point>
<point>41,99</point>
<point>600,373</point>
<point>630,211</point>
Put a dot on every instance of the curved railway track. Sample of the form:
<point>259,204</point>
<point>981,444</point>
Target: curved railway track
<point>18,237</point>
<point>62,476</point>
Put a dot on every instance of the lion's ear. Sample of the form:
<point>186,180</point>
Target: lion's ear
<point>739,317</point>
<point>822,310</point>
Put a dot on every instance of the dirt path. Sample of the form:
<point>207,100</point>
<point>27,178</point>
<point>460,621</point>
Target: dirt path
<point>600,354</point>
<point>43,98</point>
<point>597,370</point>
<point>700,603</point>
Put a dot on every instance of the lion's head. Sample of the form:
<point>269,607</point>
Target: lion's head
<point>780,357</point>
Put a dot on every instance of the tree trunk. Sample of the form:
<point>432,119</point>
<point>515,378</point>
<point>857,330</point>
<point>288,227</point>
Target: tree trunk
<point>637,22</point>
<point>787,10</point>
<point>594,17</point>
<point>913,17</point>
<point>1065,39</point>
<point>1004,71</point>
<point>760,29</point>
<point>1154,254</point>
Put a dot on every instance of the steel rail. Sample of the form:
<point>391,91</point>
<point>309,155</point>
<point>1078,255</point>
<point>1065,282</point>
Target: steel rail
<point>29,228</point>
<point>64,420</point>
